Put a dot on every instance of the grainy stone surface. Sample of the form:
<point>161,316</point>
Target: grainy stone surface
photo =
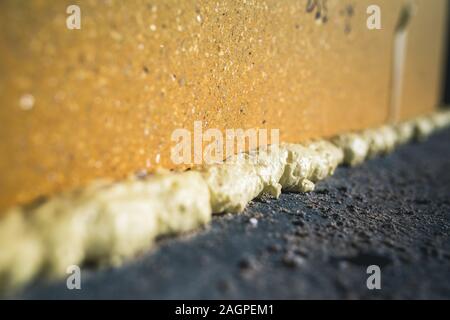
<point>104,101</point>
<point>393,212</point>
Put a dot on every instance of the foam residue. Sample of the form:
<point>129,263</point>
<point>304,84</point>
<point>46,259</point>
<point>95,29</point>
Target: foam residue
<point>104,223</point>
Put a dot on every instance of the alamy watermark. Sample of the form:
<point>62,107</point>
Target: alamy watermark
<point>214,145</point>
<point>373,22</point>
<point>73,281</point>
<point>73,21</point>
<point>374,280</point>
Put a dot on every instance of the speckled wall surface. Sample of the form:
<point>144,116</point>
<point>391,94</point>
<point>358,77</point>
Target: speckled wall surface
<point>103,101</point>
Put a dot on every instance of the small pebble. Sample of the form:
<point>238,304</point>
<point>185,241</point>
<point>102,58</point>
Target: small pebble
<point>293,261</point>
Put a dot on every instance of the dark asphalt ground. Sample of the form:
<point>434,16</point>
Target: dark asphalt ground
<point>393,212</point>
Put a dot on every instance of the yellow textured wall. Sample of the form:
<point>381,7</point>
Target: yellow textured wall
<point>425,58</point>
<point>106,98</point>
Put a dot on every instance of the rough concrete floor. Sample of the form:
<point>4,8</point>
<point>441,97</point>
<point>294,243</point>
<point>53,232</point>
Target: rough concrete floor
<point>393,212</point>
